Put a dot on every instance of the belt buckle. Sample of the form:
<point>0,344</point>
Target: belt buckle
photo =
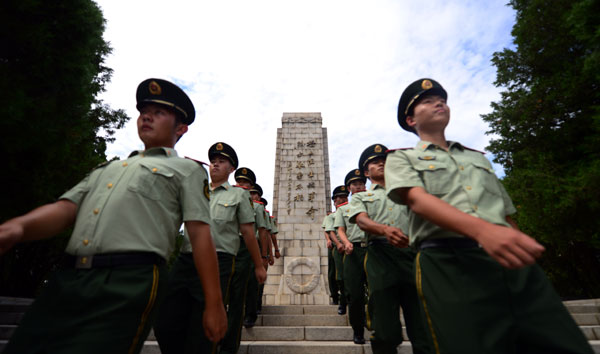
<point>363,244</point>
<point>83,262</point>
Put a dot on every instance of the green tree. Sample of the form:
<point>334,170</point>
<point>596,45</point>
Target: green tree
<point>54,128</point>
<point>546,130</point>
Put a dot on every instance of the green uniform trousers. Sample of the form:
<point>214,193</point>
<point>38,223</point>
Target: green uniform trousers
<point>98,310</point>
<point>331,277</point>
<point>474,305</point>
<point>338,258</point>
<point>179,328</point>
<point>355,281</point>
<point>237,297</point>
<point>391,286</point>
<point>251,311</point>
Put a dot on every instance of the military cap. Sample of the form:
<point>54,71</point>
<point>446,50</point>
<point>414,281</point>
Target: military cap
<point>339,191</point>
<point>256,188</point>
<point>354,175</point>
<point>373,151</point>
<point>412,93</point>
<point>264,201</point>
<point>245,173</point>
<point>165,93</point>
<point>224,150</point>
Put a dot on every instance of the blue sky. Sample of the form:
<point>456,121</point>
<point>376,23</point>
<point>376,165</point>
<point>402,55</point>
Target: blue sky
<point>244,63</point>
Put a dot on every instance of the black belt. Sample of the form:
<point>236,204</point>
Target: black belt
<point>105,260</point>
<point>379,241</point>
<point>360,244</point>
<point>448,243</point>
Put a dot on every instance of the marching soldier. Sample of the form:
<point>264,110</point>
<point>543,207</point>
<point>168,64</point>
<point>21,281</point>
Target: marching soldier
<point>475,270</point>
<point>388,263</point>
<point>331,248</point>
<point>340,197</point>
<point>355,249</point>
<point>126,216</point>
<point>179,325</point>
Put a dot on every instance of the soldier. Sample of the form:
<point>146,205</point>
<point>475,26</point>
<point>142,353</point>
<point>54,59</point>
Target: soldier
<point>245,179</point>
<point>126,216</point>
<point>179,325</point>
<point>252,295</point>
<point>475,270</point>
<point>274,233</point>
<point>355,249</point>
<point>340,197</point>
<point>331,248</point>
<point>388,263</point>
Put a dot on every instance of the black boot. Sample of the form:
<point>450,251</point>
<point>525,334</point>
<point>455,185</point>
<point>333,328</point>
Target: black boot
<point>359,336</point>
<point>342,309</point>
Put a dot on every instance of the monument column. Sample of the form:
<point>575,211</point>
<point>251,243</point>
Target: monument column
<point>301,199</point>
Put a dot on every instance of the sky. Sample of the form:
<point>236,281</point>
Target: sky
<point>245,63</point>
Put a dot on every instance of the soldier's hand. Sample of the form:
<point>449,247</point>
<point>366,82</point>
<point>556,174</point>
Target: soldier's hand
<point>215,322</point>
<point>271,260</point>
<point>265,262</point>
<point>277,254</point>
<point>509,247</point>
<point>348,247</point>
<point>329,244</point>
<point>261,274</point>
<point>10,233</point>
<point>340,248</point>
<point>396,237</point>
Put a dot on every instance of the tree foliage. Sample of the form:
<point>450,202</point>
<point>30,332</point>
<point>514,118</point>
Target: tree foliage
<point>54,128</point>
<point>546,130</point>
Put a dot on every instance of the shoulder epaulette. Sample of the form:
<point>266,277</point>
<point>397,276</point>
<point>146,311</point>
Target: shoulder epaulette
<point>272,217</point>
<point>258,202</point>
<point>342,204</point>
<point>468,148</point>
<point>237,185</point>
<point>267,210</point>
<point>392,150</point>
<point>197,161</point>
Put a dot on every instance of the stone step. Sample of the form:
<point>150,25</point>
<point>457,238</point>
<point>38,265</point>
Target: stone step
<point>302,320</point>
<point>300,310</point>
<point>583,309</point>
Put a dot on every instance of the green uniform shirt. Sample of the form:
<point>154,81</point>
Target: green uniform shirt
<point>137,204</point>
<point>269,221</point>
<point>229,207</point>
<point>274,229</point>
<point>342,218</point>
<point>461,177</point>
<point>379,208</point>
<point>260,217</point>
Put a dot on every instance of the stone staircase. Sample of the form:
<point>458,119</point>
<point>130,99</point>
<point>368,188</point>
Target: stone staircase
<point>304,329</point>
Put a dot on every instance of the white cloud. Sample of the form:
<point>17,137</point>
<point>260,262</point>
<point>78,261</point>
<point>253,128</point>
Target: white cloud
<point>247,62</point>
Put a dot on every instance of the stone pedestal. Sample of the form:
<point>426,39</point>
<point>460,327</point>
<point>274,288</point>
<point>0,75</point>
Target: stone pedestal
<point>301,199</point>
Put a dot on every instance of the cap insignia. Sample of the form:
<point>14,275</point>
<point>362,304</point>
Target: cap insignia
<point>244,171</point>
<point>154,88</point>
<point>357,172</point>
<point>377,148</point>
<point>343,188</point>
<point>219,147</point>
<point>426,84</point>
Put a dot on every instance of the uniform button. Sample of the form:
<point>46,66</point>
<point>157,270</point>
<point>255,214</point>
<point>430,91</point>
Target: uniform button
<point>461,167</point>
<point>86,242</point>
<point>154,169</point>
<point>431,166</point>
<point>391,223</point>
<point>169,153</point>
<point>226,204</point>
<point>109,185</point>
<point>124,164</point>
<point>475,207</point>
<point>83,260</point>
<point>468,188</point>
<point>390,208</point>
<point>424,146</point>
<point>96,211</point>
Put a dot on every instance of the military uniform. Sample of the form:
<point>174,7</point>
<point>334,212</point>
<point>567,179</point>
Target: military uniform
<point>462,289</point>
<point>129,212</point>
<point>338,257</point>
<point>244,271</point>
<point>355,278</point>
<point>331,277</point>
<point>389,271</point>
<point>179,328</point>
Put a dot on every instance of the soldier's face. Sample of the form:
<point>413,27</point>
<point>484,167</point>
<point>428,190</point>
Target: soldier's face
<point>339,200</point>
<point>357,186</point>
<point>375,168</point>
<point>158,127</point>
<point>220,167</point>
<point>255,196</point>
<point>244,183</point>
<point>430,113</point>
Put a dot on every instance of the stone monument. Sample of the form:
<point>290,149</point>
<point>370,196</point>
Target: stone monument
<point>301,199</point>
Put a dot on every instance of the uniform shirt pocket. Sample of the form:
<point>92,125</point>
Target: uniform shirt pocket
<point>434,175</point>
<point>151,181</point>
<point>483,175</point>
<point>224,210</point>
